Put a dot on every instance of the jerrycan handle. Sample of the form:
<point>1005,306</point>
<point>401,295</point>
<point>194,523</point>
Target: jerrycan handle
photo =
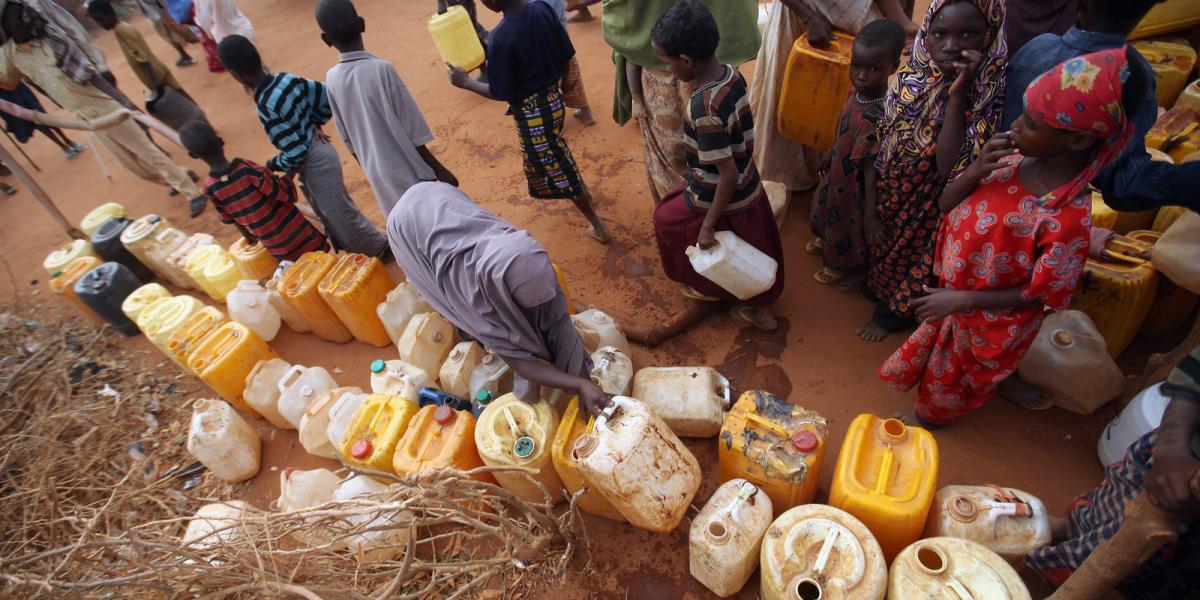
<point>767,424</point>
<point>745,492</point>
<point>1123,243</point>
<point>289,377</point>
<point>611,411</point>
<point>512,423</point>
<point>723,389</point>
<point>826,547</point>
<point>959,590</point>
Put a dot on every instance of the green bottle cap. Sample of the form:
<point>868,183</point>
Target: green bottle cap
<point>483,397</point>
<point>378,365</point>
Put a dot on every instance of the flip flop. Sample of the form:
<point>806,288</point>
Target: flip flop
<point>815,246</point>
<point>745,313</point>
<point>828,276</point>
<point>1023,394</point>
<point>691,293</point>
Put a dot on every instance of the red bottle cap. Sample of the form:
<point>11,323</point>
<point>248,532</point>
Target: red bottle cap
<point>805,441</point>
<point>443,414</point>
<point>361,449</point>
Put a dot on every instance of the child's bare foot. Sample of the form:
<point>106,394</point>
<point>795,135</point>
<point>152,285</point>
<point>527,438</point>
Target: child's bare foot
<point>873,331</point>
<point>585,115</point>
<point>852,284</point>
<point>600,234</point>
<point>757,316</point>
<point>582,15</point>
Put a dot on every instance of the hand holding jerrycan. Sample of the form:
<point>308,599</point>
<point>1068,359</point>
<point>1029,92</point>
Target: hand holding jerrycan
<point>735,265</point>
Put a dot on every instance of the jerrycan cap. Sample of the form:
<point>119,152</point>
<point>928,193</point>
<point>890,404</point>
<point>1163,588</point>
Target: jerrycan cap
<point>805,441</point>
<point>443,415</point>
<point>377,365</point>
<point>306,390</point>
<point>1063,338</point>
<point>361,449</point>
<point>456,355</point>
<point>963,509</point>
<point>483,397</point>
<point>524,447</point>
<point>599,317</point>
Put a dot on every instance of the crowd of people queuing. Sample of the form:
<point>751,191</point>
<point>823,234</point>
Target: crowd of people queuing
<point>955,197</point>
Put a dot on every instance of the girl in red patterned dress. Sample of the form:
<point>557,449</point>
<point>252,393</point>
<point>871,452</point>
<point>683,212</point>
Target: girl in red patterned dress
<point>1015,237</point>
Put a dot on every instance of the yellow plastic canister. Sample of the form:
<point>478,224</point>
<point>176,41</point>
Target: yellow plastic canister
<point>1166,216</point>
<point>162,318</point>
<point>354,288</point>
<point>222,274</point>
<point>1190,98</point>
<point>1172,63</point>
<point>299,289</point>
<point>511,433</point>
<point>886,476</point>
<point>562,283</point>
<point>196,265</point>
<point>569,429</point>
<point>816,83</point>
<point>439,437</point>
<point>252,259</point>
<point>456,39</point>
<point>142,298</point>
<point>1176,132</point>
<point>1173,304</point>
<point>375,430</point>
<point>1118,220</point>
<point>56,261</point>
<point>1167,17</point>
<point>94,219</point>
<point>779,447</point>
<point>817,551</point>
<point>188,335</point>
<point>64,283</point>
<point>1117,291</point>
<point>957,566</point>
<point>224,358</point>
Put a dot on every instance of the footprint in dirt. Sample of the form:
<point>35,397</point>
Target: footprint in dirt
<point>742,363</point>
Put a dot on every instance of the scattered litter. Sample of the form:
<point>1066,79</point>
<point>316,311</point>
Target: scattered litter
<point>108,392</point>
<point>30,325</point>
<point>31,346</point>
<point>136,451</point>
<point>338,370</point>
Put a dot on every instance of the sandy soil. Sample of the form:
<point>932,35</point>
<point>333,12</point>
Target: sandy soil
<point>814,359</point>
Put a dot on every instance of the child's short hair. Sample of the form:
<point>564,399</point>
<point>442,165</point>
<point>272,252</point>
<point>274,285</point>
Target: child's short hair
<point>339,20</point>
<point>687,29</point>
<point>100,7</point>
<point>882,33</point>
<point>199,138</point>
<point>239,55</point>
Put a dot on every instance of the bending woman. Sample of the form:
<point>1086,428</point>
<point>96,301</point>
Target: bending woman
<point>494,282</point>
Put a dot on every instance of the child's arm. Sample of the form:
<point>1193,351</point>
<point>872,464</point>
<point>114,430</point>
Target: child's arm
<point>460,79</point>
<point>892,10</point>
<point>443,174</point>
<point>939,303</point>
<point>726,184</point>
<point>989,160</point>
<point>872,226</point>
<point>954,127</point>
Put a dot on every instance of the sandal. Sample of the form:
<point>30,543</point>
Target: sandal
<point>747,314</point>
<point>1023,394</point>
<point>816,246</point>
<point>690,293</point>
<point>828,276</point>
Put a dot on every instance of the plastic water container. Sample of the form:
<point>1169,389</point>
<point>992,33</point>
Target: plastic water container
<point>736,266</point>
<point>1117,291</point>
<point>168,241</point>
<point>1120,221</point>
<point>455,373</point>
<point>299,490</point>
<point>381,544</point>
<point>353,289</point>
<point>725,539</point>
<point>223,442</point>
<point>104,290</point>
<point>375,430</point>
<point>298,387</point>
<point>511,433</point>
<point>956,568</point>
<point>1167,17</point>
<point>456,39</point>
<point>612,370</point>
<point>253,260</point>
<point>262,390</point>
<point>491,375</point>
<point>197,268</point>
<point>214,524</point>
<point>1172,63</point>
<point>106,241</point>
<point>886,476</point>
<point>1142,415</point>
<point>250,304</point>
<point>777,446</point>
<point>1070,362</point>
<point>598,330</point>
<point>162,318</point>
<point>141,299</point>
<point>64,283</point>
<point>222,274</point>
<point>179,257</point>
<point>399,378</point>
<point>193,330</point>
<point>291,317</point>
<point>439,437</point>
<point>1174,304</point>
<point>141,239</point>
<point>570,428</point>
<point>427,341</point>
<point>819,552</point>
<point>692,401</point>
<point>314,425</point>
<point>399,307</point>
<point>1176,133</point>
<point>225,357</point>
<point>635,461</point>
<point>59,259</point>
<point>1007,521</point>
<point>1190,97</point>
<point>299,289</point>
<point>816,82</point>
<point>94,219</point>
<point>340,416</point>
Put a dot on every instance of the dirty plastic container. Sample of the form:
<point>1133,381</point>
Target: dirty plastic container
<point>1117,291</point>
<point>299,289</point>
<point>946,567</point>
<point>196,266</point>
<point>291,317</point>
<point>819,552</point>
<point>1190,97</point>
<point>167,241</point>
<point>214,524</point>
<point>886,476</point>
<point>225,357</point>
<point>1175,133</point>
<point>599,330</point>
<point>456,39</point>
<point>99,215</point>
<point>299,490</point>
<point>64,283</point>
<point>1167,17</point>
<point>455,374</point>
<point>250,304</point>
<point>428,396</point>
<point>725,539</point>
<point>736,266</point>
<point>222,274</point>
<point>570,428</point>
<point>399,306</point>
<point>381,544</point>
<point>1007,521</point>
<point>635,461</point>
<point>314,425</point>
<point>59,259</point>
<point>194,329</point>
<point>511,433</point>
<point>427,341</point>
<point>223,442</point>
<point>104,290</point>
<point>439,437</point>
<point>1166,216</point>
<point>262,390</point>
<point>1172,63</point>
<point>692,401</point>
<point>178,258</point>
<point>777,446</point>
<point>399,378</point>
<point>353,289</point>
<point>340,416</point>
<point>140,238</point>
<point>375,430</point>
<point>107,243</point>
<point>252,259</point>
<point>298,387</point>
<point>1069,362</point>
<point>142,298</point>
<point>612,370</point>
<point>491,375</point>
<point>162,318</point>
<point>1173,304</point>
<point>1120,221</point>
<point>816,82</point>
<point>1143,414</point>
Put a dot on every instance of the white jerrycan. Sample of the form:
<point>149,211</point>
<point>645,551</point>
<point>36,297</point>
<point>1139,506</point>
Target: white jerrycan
<point>250,304</point>
<point>222,441</point>
<point>724,541</point>
<point>299,386</point>
<point>735,265</point>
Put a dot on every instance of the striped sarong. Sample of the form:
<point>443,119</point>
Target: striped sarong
<point>549,167</point>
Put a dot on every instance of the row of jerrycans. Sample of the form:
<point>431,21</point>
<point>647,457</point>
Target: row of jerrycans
<point>335,296</point>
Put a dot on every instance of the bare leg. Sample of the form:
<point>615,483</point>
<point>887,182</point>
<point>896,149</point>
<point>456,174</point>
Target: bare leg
<point>585,115</point>
<point>651,336</point>
<point>49,132</point>
<point>597,230</point>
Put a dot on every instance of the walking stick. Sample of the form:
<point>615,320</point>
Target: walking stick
<point>40,195</point>
<point>22,151</point>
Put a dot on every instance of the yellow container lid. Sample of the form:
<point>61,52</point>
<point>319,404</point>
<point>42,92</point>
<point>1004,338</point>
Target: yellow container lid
<point>58,260</point>
<point>143,228</point>
<point>93,220</point>
<point>143,298</point>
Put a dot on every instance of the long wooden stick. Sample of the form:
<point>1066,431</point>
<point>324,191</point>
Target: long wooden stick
<point>40,195</point>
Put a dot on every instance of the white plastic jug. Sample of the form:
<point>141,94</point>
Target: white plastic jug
<point>373,546</point>
<point>598,330</point>
<point>294,320</point>
<point>314,425</point>
<point>427,341</point>
<point>945,567</point>
<point>215,523</point>
<point>817,551</point>
<point>340,416</point>
<point>399,307</point>
<point>724,541</point>
<point>221,440</point>
<point>1007,521</point>
<point>262,390</point>
<point>455,374</point>
<point>250,304</point>
<point>634,460</point>
<point>612,370</point>
<point>692,401</point>
<point>299,490</point>
<point>399,378</point>
<point>300,386</point>
<point>167,242</point>
<point>493,375</point>
<point>1143,414</point>
<point>1070,362</point>
<point>736,266</point>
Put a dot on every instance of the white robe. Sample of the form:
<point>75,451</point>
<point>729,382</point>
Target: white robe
<point>221,18</point>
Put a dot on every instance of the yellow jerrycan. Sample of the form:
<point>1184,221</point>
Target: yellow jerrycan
<point>886,476</point>
<point>1190,98</point>
<point>1167,17</point>
<point>141,299</point>
<point>222,274</point>
<point>353,289</point>
<point>511,433</point>
<point>1118,291</point>
<point>777,446</point>
<point>160,320</point>
<point>57,260</point>
<point>1173,304</point>
<point>252,259</point>
<point>816,83</point>
<point>816,552</point>
<point>224,358</point>
<point>1120,221</point>
<point>952,568</point>
<point>1177,133</point>
<point>196,265</point>
<point>726,537</point>
<point>1167,215</point>
<point>427,342</point>
<point>456,39</point>
<point>1172,63</point>
<point>439,437</point>
<point>188,335</point>
<point>375,429</point>
<point>94,219</point>
<point>569,430</point>
<point>299,289</point>
<point>64,283</point>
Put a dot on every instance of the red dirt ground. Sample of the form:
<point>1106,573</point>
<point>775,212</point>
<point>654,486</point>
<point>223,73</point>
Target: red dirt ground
<point>814,359</point>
